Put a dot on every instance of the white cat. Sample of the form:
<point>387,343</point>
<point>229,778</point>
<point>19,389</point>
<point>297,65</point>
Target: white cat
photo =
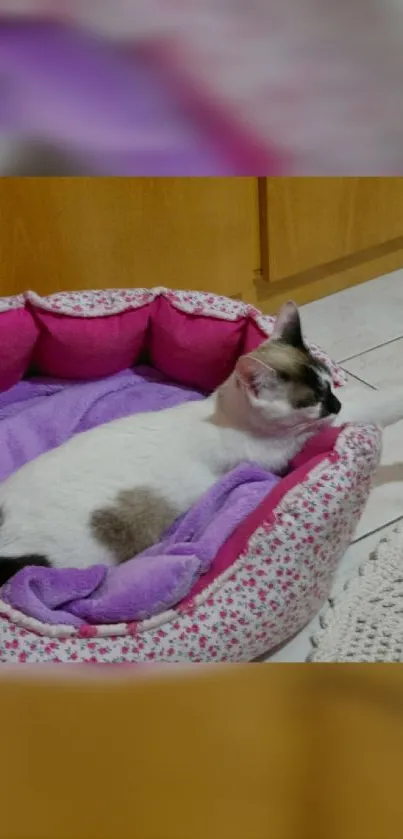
<point>109,493</point>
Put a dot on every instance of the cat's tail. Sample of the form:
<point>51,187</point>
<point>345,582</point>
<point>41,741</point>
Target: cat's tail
<point>376,407</point>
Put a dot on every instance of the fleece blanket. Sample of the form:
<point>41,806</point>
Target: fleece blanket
<point>117,112</point>
<point>39,414</point>
<point>252,86</point>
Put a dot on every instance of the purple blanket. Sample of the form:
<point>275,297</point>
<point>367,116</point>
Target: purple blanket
<point>38,415</point>
<point>115,109</point>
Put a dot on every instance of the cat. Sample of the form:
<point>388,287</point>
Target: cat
<point>108,493</point>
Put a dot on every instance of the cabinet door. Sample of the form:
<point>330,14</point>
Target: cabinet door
<point>323,234</point>
<point>73,233</point>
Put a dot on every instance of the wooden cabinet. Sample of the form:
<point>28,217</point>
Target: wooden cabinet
<point>317,221</point>
<point>319,235</point>
<point>262,240</point>
<point>72,233</point>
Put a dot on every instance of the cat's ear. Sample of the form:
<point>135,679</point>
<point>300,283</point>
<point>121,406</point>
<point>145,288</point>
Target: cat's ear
<point>287,326</point>
<point>252,373</point>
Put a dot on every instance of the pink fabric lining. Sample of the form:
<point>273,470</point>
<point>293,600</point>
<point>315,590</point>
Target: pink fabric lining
<point>19,334</point>
<point>194,350</point>
<point>254,336</point>
<point>314,453</point>
<point>89,348</point>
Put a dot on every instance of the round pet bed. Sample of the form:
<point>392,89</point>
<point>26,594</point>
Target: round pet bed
<point>274,571</point>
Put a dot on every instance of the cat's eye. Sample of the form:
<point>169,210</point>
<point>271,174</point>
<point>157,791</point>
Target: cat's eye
<point>308,402</point>
<point>285,377</point>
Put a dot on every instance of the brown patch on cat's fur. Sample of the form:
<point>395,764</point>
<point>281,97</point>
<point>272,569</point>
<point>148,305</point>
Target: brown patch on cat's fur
<point>283,358</point>
<point>136,521</point>
<point>300,368</point>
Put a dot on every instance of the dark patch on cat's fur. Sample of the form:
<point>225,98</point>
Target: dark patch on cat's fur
<point>291,332</point>
<point>9,565</point>
<point>133,523</point>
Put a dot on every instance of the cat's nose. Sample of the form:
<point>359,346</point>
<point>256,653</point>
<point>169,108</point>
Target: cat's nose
<point>333,404</point>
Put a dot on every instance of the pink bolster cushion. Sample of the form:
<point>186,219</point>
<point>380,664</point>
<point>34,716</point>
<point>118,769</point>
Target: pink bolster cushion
<point>253,337</point>
<point>87,348</point>
<point>193,349</point>
<point>191,337</point>
<point>18,335</point>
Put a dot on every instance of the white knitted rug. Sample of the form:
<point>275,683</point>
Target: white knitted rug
<point>363,620</point>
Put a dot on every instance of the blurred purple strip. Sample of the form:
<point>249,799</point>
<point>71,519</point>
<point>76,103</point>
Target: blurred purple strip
<point>117,110</point>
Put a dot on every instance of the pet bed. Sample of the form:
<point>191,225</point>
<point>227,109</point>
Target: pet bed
<point>262,565</point>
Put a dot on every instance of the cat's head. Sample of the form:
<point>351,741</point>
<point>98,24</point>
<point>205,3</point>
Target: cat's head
<point>282,382</point>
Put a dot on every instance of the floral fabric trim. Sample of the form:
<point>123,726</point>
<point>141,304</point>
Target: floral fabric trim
<point>100,303</point>
<point>9,303</point>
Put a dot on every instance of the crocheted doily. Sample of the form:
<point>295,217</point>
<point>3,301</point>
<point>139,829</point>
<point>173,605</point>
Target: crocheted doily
<point>363,620</point>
